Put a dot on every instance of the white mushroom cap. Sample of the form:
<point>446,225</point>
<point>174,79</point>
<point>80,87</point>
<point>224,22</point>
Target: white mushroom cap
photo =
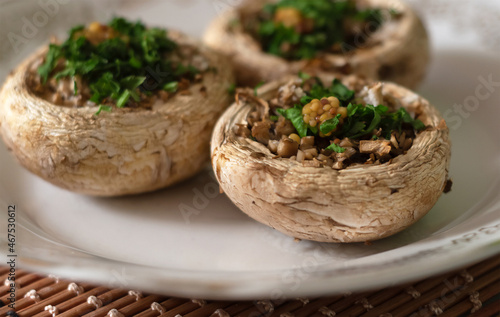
<point>360,203</point>
<point>126,151</point>
<point>398,51</point>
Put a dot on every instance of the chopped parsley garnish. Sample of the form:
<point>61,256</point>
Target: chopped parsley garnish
<point>299,29</point>
<point>171,86</point>
<point>330,125</point>
<point>256,88</point>
<point>304,76</point>
<point>360,123</point>
<point>117,61</point>
<point>103,108</point>
<point>337,89</point>
<point>232,89</point>
<point>295,116</point>
<point>335,148</point>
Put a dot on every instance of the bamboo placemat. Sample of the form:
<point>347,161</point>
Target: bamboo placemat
<point>473,291</point>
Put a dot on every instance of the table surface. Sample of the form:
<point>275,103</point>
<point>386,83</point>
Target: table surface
<point>471,291</point>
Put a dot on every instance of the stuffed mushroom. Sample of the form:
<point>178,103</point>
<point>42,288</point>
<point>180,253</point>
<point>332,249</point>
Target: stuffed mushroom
<point>377,39</point>
<point>116,109</point>
<point>332,161</point>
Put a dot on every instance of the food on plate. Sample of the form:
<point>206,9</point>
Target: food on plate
<point>377,39</point>
<point>332,160</point>
<point>115,109</point>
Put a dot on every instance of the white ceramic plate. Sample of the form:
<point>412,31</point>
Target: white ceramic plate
<point>191,241</point>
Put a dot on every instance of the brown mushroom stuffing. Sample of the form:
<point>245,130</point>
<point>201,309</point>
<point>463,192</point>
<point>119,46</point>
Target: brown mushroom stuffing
<point>122,64</point>
<point>329,126</point>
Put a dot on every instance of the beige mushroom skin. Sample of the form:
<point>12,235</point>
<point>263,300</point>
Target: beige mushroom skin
<point>126,151</point>
<point>360,203</point>
<point>397,52</point>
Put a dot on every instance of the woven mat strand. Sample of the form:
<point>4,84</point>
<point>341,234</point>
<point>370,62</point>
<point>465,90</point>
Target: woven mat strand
<point>474,291</point>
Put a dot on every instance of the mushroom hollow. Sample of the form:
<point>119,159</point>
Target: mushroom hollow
<point>125,151</point>
<point>360,203</point>
<point>397,51</point>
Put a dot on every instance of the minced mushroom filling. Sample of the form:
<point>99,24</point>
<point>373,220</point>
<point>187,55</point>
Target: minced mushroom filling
<point>330,126</point>
<point>122,64</point>
<point>299,29</point>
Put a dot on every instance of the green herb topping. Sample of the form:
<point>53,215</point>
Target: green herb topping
<point>332,111</point>
<point>119,62</point>
<point>331,124</point>
<point>299,29</point>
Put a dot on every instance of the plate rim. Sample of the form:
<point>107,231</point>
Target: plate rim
<point>235,286</point>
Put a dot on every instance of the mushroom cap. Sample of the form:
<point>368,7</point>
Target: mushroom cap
<point>359,203</point>
<point>398,51</point>
<point>126,151</point>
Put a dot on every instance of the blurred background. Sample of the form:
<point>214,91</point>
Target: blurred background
<point>31,22</point>
<point>26,24</point>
